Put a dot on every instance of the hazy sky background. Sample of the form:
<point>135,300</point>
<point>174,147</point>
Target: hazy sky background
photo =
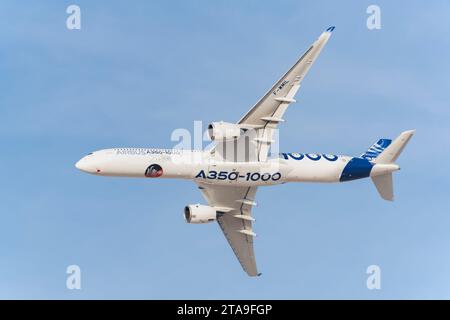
<point>137,70</point>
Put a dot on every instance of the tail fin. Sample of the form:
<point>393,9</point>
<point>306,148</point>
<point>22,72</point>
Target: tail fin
<point>384,165</point>
<point>375,150</point>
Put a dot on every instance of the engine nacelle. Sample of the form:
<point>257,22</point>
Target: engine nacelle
<point>224,130</point>
<point>196,213</point>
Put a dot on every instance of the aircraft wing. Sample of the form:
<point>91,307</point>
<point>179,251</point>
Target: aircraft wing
<point>234,206</point>
<point>275,101</point>
<point>268,112</point>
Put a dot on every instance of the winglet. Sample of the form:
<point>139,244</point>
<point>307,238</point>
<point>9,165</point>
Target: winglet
<point>330,29</point>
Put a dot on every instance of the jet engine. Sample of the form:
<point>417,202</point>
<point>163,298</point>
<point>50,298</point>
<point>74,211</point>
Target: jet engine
<point>224,131</point>
<point>197,213</point>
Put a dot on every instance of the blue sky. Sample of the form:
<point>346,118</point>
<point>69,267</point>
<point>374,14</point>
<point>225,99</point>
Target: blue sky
<point>133,73</point>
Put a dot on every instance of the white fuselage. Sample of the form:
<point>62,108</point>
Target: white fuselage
<point>200,166</point>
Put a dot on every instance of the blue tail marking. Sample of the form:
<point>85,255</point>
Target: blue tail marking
<point>356,168</point>
<point>375,150</point>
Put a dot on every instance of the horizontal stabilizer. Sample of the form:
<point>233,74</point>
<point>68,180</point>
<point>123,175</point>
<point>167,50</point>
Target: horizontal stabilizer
<point>384,165</point>
<point>384,186</point>
<point>391,153</point>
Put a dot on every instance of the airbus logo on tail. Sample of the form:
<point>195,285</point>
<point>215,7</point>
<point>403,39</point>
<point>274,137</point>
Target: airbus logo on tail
<point>376,149</point>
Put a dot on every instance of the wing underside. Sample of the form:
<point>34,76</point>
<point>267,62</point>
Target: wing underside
<point>263,118</point>
<point>234,217</point>
<point>234,203</point>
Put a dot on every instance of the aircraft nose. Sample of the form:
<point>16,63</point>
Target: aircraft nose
<point>79,165</point>
<point>86,166</point>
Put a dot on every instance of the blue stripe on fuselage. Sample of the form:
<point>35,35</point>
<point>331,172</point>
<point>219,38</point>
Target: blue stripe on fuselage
<point>356,168</point>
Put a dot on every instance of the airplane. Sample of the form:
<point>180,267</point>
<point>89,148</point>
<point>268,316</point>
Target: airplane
<point>240,161</point>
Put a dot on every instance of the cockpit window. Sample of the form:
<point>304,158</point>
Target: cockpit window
<point>90,153</point>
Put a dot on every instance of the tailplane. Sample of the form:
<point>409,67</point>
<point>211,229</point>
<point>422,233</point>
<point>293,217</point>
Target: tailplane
<point>384,186</point>
<point>383,155</point>
<point>391,153</point>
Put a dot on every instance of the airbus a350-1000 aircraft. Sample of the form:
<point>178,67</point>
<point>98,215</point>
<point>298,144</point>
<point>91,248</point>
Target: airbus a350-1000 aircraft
<point>229,173</point>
